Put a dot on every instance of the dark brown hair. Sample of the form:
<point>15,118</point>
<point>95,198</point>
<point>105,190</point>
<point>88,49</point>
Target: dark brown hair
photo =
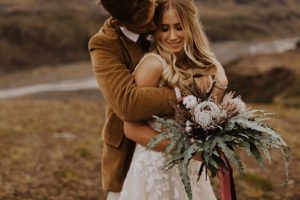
<point>132,12</point>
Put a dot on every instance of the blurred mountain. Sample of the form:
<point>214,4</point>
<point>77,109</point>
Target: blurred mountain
<point>249,2</point>
<point>41,32</point>
<point>250,19</point>
<point>267,78</point>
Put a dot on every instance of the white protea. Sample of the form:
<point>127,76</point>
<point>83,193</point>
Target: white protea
<point>207,114</point>
<point>188,129</point>
<point>188,123</point>
<point>190,101</point>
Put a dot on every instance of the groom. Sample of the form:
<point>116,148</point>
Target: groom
<point>115,51</point>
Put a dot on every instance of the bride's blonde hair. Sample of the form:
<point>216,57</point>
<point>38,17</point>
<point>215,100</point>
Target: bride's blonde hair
<point>196,46</point>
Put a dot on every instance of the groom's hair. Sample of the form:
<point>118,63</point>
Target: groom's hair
<point>130,12</point>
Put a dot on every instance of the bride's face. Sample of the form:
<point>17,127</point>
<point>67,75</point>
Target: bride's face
<point>171,33</point>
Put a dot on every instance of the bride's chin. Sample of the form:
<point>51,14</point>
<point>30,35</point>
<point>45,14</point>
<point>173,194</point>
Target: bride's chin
<point>179,52</point>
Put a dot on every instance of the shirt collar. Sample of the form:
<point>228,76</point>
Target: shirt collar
<point>131,35</point>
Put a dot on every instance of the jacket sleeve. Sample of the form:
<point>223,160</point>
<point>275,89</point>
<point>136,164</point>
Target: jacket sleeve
<point>117,85</point>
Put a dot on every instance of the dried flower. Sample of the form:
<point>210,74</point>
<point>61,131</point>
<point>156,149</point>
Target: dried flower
<point>190,101</point>
<point>232,106</point>
<point>188,129</point>
<point>188,123</point>
<point>240,105</point>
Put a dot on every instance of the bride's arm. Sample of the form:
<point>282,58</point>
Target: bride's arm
<point>142,134</point>
<point>148,74</point>
<point>220,86</point>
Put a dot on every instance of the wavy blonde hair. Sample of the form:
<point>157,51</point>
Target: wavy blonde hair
<point>196,46</point>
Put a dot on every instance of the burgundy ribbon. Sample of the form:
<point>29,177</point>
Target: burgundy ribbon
<point>227,188</point>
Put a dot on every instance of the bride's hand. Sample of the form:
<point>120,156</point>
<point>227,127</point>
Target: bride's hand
<point>219,87</point>
<point>217,93</point>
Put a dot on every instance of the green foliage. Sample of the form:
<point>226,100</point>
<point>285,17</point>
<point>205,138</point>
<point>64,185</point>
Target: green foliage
<point>243,131</point>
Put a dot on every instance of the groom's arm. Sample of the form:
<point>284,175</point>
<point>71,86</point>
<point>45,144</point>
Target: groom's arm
<point>118,87</point>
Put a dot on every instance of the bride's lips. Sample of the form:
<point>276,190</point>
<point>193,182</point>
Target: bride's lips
<point>175,44</point>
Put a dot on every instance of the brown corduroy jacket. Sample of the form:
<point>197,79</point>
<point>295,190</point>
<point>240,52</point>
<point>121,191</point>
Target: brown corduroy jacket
<point>113,58</point>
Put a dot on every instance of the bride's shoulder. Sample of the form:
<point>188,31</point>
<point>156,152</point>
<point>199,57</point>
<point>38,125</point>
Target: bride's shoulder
<point>151,62</point>
<point>153,55</point>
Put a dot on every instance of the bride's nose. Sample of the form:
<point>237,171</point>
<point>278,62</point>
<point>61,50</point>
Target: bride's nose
<point>173,36</point>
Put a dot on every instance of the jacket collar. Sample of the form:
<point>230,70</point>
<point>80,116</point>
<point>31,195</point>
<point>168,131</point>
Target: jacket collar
<point>129,34</point>
<point>111,31</point>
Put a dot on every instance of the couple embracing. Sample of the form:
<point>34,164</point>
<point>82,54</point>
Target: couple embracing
<point>139,57</point>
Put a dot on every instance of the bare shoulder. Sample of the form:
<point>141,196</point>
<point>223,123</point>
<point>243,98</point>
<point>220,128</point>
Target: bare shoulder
<point>151,64</point>
<point>149,71</point>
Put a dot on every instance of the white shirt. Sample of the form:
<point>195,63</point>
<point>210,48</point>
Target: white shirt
<point>134,36</point>
<point>131,35</point>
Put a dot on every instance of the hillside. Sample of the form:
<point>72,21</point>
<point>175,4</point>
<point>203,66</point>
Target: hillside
<point>229,20</point>
<point>267,78</point>
<point>39,32</point>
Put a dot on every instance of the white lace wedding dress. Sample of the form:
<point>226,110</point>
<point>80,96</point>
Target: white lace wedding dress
<point>146,180</point>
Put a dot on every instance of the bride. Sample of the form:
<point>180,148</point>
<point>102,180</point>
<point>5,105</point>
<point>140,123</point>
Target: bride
<point>181,47</point>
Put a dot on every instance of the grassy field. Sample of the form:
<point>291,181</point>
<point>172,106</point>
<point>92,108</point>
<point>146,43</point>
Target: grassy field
<point>50,149</point>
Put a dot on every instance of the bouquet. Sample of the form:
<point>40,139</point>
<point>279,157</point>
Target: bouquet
<point>202,126</point>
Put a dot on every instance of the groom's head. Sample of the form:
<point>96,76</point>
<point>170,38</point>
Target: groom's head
<point>135,15</point>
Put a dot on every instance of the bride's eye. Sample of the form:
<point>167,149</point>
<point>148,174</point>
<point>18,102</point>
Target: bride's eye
<point>164,28</point>
<point>178,27</point>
